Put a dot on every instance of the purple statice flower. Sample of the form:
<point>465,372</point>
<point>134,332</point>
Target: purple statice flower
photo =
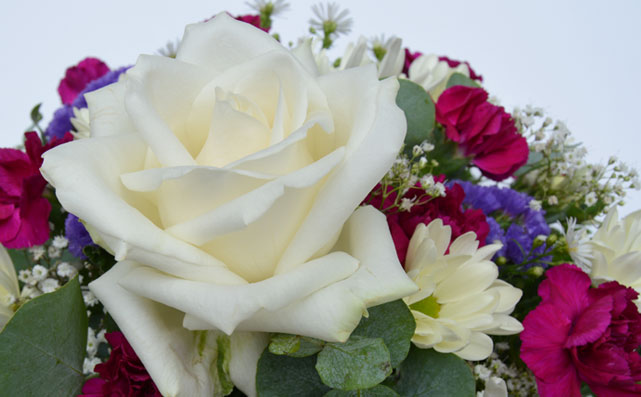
<point>511,221</point>
<point>61,122</point>
<point>77,235</point>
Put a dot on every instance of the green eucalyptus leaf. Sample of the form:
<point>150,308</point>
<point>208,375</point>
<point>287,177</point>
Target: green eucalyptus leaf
<point>461,79</point>
<point>419,111</point>
<point>359,363</point>
<point>43,346</point>
<point>376,391</point>
<point>284,344</point>
<point>394,323</point>
<point>279,376</point>
<point>427,373</point>
<point>294,345</point>
<point>20,259</point>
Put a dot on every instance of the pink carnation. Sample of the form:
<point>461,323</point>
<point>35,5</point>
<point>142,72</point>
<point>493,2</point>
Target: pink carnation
<point>482,130</point>
<point>454,63</point>
<point>409,58</point>
<point>77,77</point>
<point>449,208</point>
<point>122,375</point>
<point>24,213</point>
<point>253,20</point>
<point>579,333</point>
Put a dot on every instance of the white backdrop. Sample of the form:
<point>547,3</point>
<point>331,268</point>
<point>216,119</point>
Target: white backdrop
<point>579,60</point>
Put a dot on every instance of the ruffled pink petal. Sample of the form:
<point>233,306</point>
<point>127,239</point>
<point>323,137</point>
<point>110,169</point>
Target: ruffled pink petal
<point>567,287</point>
<point>591,324</point>
<point>568,385</point>
<point>543,337</point>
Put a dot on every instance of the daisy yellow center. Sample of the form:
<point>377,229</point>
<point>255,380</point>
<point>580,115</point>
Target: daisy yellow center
<point>428,306</point>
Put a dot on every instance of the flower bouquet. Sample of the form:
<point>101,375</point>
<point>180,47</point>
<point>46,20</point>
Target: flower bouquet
<point>235,216</point>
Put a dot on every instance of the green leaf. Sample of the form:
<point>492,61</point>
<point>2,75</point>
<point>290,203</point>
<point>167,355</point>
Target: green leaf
<point>419,111</point>
<point>359,363</point>
<point>394,323</point>
<point>294,345</point>
<point>20,259</point>
<point>43,346</point>
<point>284,344</point>
<point>376,391</point>
<point>427,373</point>
<point>35,114</point>
<point>461,79</point>
<point>279,376</point>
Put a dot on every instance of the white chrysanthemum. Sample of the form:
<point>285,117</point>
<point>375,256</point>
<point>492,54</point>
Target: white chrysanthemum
<point>81,123</point>
<point>329,16</point>
<point>432,74</point>
<point>9,288</point>
<point>616,250</point>
<point>578,245</point>
<point>460,301</point>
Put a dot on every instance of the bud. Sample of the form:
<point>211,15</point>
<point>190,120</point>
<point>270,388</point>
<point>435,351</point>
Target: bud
<point>551,239</point>
<point>536,271</point>
<point>501,260</point>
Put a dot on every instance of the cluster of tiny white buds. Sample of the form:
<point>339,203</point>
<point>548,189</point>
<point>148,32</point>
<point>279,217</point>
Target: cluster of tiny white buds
<point>37,252</point>
<point>535,205</point>
<point>60,242</point>
<point>590,199</point>
<point>553,200</point>
<point>89,298</point>
<point>93,342</point>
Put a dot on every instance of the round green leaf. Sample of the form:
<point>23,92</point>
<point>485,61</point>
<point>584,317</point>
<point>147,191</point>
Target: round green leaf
<point>461,79</point>
<point>279,376</point>
<point>427,373</point>
<point>359,363</point>
<point>43,346</point>
<point>394,323</point>
<point>376,391</point>
<point>419,111</point>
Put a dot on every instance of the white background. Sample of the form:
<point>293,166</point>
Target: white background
<point>579,60</point>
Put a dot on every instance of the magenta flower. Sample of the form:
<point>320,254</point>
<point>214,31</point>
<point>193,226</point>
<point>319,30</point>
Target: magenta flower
<point>583,334</point>
<point>77,77</point>
<point>483,131</point>
<point>24,213</point>
<point>122,375</point>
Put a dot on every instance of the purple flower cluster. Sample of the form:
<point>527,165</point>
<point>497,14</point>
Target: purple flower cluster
<point>511,221</point>
<point>77,235</point>
<point>61,122</point>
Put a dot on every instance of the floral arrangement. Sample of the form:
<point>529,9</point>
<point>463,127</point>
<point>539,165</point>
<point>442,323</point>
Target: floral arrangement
<point>236,216</point>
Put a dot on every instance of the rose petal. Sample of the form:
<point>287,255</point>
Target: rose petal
<point>371,147</point>
<point>224,307</point>
<point>228,43</point>
<point>246,348</point>
<point>155,331</point>
<point>97,185</point>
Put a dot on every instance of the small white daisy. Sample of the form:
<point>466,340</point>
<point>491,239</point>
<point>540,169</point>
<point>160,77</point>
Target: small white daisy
<point>331,19</point>
<point>578,245</point>
<point>269,7</point>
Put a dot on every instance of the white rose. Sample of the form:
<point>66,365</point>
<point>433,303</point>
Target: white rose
<point>225,182</point>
